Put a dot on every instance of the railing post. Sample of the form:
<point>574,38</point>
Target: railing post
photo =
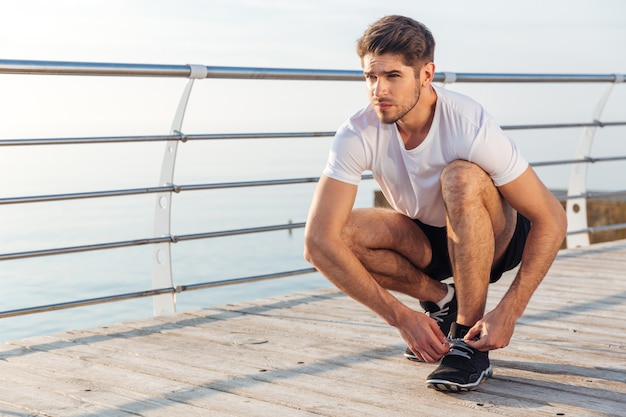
<point>165,304</point>
<point>576,208</point>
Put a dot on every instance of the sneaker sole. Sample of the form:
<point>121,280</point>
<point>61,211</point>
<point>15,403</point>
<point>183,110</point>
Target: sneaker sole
<point>443,385</point>
<point>412,358</point>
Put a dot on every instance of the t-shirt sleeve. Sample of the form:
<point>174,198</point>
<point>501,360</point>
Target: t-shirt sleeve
<point>346,159</point>
<point>497,154</point>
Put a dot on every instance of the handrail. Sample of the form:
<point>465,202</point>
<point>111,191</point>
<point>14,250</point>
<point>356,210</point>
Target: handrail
<point>586,160</point>
<point>154,190</point>
<point>8,66</point>
<point>151,293</point>
<point>236,136</point>
<point>147,241</point>
<point>163,138</point>
<point>29,67</point>
<point>175,188</point>
<point>595,123</point>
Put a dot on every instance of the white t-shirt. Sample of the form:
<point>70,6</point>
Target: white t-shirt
<point>409,179</point>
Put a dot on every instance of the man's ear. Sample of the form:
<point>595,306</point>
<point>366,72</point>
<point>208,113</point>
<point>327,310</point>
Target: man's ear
<point>427,73</point>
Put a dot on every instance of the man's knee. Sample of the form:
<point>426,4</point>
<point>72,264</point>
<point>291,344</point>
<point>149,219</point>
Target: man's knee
<point>462,179</point>
<point>465,185</point>
<point>373,227</point>
<point>463,172</point>
<point>357,227</point>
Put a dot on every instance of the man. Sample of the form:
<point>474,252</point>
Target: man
<point>463,201</point>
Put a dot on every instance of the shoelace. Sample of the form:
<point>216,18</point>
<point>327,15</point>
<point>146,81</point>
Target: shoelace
<point>439,314</point>
<point>458,347</point>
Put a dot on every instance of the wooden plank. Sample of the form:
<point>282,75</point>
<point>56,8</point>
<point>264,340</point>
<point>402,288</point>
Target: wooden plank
<point>87,386</point>
<point>322,354</point>
<point>301,372</point>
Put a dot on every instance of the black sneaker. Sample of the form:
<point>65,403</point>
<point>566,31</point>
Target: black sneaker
<point>444,316</point>
<point>462,369</point>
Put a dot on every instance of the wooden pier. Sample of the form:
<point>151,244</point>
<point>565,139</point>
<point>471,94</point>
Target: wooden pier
<point>322,354</point>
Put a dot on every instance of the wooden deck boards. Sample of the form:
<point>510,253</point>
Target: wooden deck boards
<point>322,354</point>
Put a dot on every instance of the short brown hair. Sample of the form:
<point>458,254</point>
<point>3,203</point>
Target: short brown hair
<point>398,35</point>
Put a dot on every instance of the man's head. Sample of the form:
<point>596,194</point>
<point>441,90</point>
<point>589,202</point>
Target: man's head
<point>397,59</point>
<point>399,35</point>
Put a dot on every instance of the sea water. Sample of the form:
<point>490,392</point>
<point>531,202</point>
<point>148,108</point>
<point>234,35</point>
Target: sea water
<point>45,280</point>
<point>44,170</point>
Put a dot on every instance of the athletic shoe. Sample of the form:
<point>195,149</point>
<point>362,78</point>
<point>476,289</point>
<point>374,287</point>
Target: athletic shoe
<point>444,316</point>
<point>462,369</point>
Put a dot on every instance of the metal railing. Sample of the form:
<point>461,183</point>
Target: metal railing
<point>163,287</point>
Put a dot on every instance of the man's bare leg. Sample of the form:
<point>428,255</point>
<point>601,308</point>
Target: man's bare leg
<point>394,250</point>
<point>480,227</point>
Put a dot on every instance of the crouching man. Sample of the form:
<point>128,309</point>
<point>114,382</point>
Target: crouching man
<point>465,203</point>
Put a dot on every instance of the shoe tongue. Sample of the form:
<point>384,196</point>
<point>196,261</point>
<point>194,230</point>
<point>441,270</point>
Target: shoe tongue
<point>430,306</point>
<point>458,331</point>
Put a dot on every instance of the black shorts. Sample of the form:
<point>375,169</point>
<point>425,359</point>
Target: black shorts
<point>440,267</point>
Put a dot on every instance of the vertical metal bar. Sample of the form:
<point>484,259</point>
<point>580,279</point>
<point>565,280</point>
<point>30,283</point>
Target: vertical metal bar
<point>576,208</point>
<point>165,304</point>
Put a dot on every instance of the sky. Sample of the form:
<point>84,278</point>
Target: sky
<point>534,36</point>
<point>481,35</point>
<point>487,36</point>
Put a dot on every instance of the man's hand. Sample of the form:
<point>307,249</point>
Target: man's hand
<point>493,331</point>
<point>423,336</point>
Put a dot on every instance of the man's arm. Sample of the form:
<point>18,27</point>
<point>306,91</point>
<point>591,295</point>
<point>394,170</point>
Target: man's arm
<point>325,249</point>
<point>529,196</point>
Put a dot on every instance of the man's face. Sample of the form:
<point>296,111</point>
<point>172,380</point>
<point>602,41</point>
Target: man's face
<point>392,87</point>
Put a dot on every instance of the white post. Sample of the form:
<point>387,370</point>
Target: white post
<point>165,304</point>
<point>576,208</point>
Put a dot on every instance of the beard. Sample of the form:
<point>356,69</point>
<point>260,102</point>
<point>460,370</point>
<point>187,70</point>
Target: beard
<point>387,117</point>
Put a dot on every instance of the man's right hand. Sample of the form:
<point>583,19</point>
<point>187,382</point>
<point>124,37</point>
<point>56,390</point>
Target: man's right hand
<point>424,337</point>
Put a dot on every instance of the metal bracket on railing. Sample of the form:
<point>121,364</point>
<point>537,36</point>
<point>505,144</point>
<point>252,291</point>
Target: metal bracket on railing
<point>449,78</point>
<point>161,262</point>
<point>576,208</point>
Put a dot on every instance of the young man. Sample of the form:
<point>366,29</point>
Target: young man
<point>463,201</point>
